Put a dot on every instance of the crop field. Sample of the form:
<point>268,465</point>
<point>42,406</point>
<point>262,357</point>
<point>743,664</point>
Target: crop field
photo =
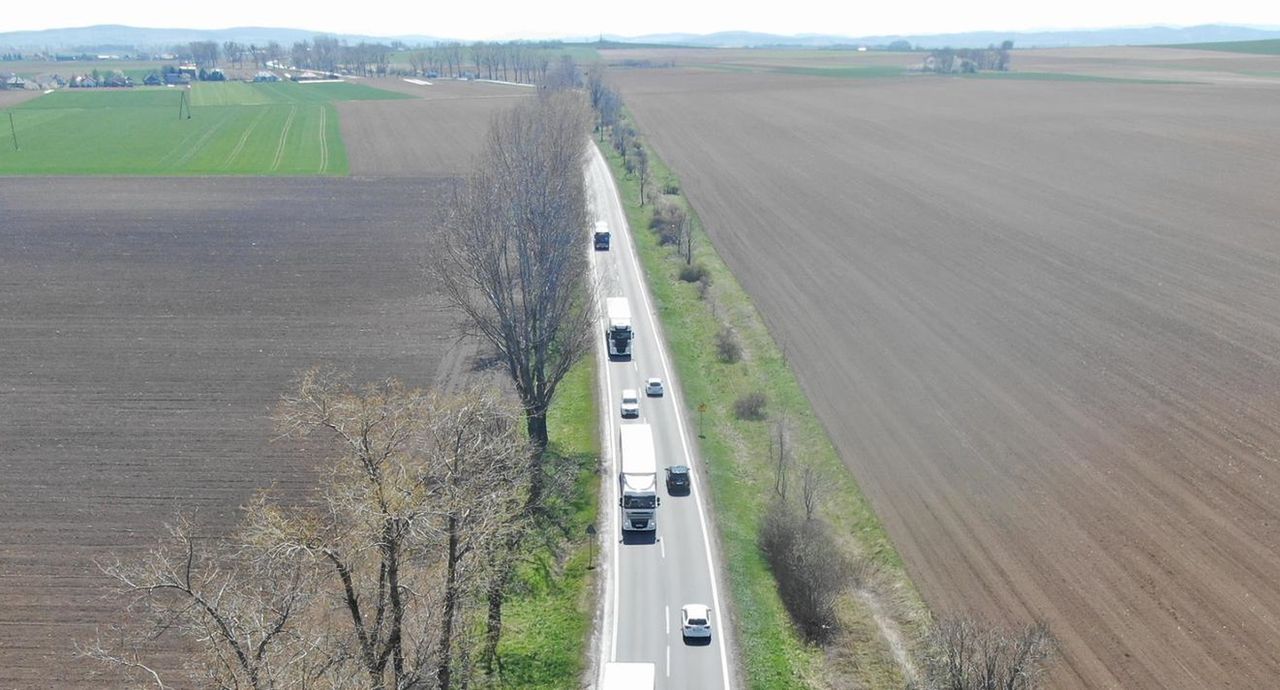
<point>148,330</point>
<point>439,132</point>
<point>233,128</point>
<point>1041,321</point>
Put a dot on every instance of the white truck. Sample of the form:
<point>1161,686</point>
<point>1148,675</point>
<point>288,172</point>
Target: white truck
<point>628,676</point>
<point>618,334</point>
<point>638,480</point>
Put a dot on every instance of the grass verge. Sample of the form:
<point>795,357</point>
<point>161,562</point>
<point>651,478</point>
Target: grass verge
<point>737,456</point>
<point>547,618</point>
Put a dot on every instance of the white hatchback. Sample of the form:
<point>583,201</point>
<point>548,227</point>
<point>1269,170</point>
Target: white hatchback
<point>653,387</point>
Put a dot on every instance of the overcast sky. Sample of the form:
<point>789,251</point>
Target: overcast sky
<point>507,19</point>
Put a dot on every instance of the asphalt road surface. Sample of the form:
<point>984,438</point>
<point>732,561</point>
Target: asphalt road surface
<point>648,578</point>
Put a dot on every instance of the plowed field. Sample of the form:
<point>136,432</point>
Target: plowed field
<point>146,329</point>
<point>1041,320</point>
<point>438,133</point>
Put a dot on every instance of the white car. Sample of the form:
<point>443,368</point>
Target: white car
<point>695,622</point>
<point>630,403</point>
<point>653,387</point>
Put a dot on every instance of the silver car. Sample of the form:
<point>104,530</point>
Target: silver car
<point>653,387</point>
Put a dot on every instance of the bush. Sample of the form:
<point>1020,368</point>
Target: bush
<point>671,186</point>
<point>808,567</point>
<point>751,407</point>
<point>695,273</point>
<point>668,221</point>
<point>963,653</point>
<point>727,347</point>
<point>704,284</point>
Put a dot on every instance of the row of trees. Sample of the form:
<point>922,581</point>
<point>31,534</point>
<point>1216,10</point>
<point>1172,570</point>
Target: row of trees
<point>518,61</point>
<point>969,60</point>
<point>393,573</point>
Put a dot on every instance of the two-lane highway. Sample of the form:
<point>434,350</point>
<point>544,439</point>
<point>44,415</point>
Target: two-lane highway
<point>648,578</point>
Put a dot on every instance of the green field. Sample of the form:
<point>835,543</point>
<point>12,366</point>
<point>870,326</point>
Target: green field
<point>234,129</point>
<point>1267,46</point>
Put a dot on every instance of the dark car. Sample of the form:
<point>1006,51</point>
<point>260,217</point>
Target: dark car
<point>678,479</point>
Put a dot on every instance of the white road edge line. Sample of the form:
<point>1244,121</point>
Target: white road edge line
<point>668,660</point>
<point>684,441</point>
<point>611,617</point>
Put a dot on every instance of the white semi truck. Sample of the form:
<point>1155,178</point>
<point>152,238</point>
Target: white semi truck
<point>638,480</point>
<point>618,334</point>
<point>628,676</point>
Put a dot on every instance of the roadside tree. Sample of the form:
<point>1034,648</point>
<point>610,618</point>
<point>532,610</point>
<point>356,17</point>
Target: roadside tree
<point>364,584</point>
<point>510,255</point>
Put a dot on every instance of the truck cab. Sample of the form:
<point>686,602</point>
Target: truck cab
<point>618,331</point>
<point>602,236</point>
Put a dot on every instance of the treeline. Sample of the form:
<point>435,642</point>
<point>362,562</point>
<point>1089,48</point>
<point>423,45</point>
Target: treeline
<point>519,61</point>
<point>969,60</point>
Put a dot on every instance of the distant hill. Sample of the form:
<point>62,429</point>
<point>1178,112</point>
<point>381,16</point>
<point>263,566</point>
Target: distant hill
<point>92,38</point>
<point>125,38</point>
<point>1152,35</point>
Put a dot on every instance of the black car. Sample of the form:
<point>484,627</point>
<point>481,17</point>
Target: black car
<point>678,479</point>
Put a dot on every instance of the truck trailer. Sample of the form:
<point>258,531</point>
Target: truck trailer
<point>628,676</point>
<point>618,334</point>
<point>638,479</point>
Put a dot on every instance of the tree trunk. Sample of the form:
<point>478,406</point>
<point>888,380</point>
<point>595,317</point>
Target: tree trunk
<point>537,425</point>
<point>497,594</point>
<point>444,669</point>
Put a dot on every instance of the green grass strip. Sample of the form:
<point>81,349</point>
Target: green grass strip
<point>736,454</point>
<point>1266,46</point>
<point>547,619</point>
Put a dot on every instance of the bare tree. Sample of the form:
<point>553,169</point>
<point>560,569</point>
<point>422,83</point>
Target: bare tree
<point>511,258</point>
<point>813,488</point>
<point>641,166</point>
<point>364,585</point>
<point>964,653</point>
<point>780,452</point>
<point>238,605</point>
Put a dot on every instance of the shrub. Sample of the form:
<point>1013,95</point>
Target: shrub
<point>668,221</point>
<point>694,274</point>
<point>671,186</point>
<point>704,284</point>
<point>963,653</point>
<point>751,407</point>
<point>727,347</point>
<point>808,567</point>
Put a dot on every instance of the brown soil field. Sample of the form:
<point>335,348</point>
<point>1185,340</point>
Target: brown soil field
<point>146,329</point>
<point>1041,321</point>
<point>1159,64</point>
<point>439,133</point>
<point>11,98</point>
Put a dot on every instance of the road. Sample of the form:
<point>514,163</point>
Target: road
<point>648,580</point>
